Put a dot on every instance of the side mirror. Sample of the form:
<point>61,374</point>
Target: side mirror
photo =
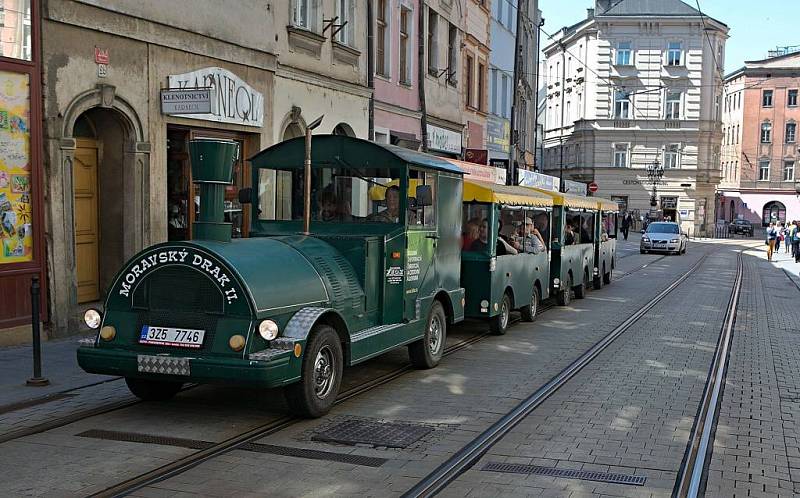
<point>424,195</point>
<point>246,195</point>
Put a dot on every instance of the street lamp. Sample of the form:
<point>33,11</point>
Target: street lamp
<point>655,171</point>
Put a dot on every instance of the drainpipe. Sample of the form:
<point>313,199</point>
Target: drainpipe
<point>536,90</point>
<point>370,73</point>
<point>423,118</point>
<point>513,145</point>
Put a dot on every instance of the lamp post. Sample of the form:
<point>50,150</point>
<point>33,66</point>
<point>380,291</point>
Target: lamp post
<point>655,171</point>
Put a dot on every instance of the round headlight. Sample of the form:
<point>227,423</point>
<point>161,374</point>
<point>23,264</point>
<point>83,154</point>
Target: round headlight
<point>236,342</point>
<point>268,330</point>
<point>92,318</point>
<point>108,333</point>
<point>484,304</point>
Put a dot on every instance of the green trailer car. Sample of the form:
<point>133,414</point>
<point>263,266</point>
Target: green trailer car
<point>504,260</point>
<point>606,242</point>
<point>379,269</point>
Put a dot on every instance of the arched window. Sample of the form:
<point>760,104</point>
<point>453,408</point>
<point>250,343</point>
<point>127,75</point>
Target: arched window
<point>344,129</point>
<point>774,212</point>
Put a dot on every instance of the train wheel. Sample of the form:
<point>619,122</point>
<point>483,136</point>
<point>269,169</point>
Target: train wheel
<point>321,375</point>
<point>153,390</point>
<point>499,324</point>
<point>529,311</point>
<point>580,289</point>
<point>427,352</point>
<point>565,294</point>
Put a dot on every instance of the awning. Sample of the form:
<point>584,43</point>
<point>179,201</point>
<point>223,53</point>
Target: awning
<point>607,205</point>
<point>568,200</point>
<point>509,195</point>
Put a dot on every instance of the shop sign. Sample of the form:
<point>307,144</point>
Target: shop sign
<point>479,156</point>
<point>483,173</point>
<point>498,134</point>
<point>233,100</point>
<point>643,182</point>
<point>529,178</point>
<point>442,140</point>
<point>186,101</point>
<point>669,202</point>
<point>574,187</point>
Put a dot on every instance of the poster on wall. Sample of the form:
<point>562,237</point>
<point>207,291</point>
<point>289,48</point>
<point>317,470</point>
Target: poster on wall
<point>16,234</point>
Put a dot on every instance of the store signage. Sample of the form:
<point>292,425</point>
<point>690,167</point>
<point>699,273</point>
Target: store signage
<point>186,101</point>
<point>642,182</point>
<point>498,134</point>
<point>574,187</point>
<point>101,56</point>
<point>483,173</point>
<point>442,140</point>
<point>529,178</point>
<point>480,156</point>
<point>233,100</point>
<point>669,202</point>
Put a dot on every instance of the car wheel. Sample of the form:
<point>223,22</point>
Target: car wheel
<point>427,352</point>
<point>580,289</point>
<point>565,294</point>
<point>642,251</point>
<point>529,311</point>
<point>499,323</point>
<point>320,375</point>
<point>153,390</point>
<point>607,277</point>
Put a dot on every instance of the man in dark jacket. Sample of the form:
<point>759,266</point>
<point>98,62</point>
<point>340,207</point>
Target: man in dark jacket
<point>626,224</point>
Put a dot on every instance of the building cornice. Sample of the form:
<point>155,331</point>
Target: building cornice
<point>396,109</point>
<point>323,80</point>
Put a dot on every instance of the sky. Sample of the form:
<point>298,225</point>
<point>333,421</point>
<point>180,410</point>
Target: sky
<point>755,27</point>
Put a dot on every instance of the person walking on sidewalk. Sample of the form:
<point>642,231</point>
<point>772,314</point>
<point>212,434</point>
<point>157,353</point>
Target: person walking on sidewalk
<point>795,235</point>
<point>787,237</point>
<point>626,224</point>
<point>779,238</point>
<point>772,236</point>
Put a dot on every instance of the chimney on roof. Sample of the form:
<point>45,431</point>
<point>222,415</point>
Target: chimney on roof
<point>589,13</point>
<point>601,6</point>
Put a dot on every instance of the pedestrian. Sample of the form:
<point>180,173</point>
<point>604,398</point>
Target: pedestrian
<point>796,241</point>
<point>787,239</point>
<point>779,238</point>
<point>626,224</point>
<point>772,236</point>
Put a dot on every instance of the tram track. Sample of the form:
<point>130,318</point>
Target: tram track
<point>468,455</point>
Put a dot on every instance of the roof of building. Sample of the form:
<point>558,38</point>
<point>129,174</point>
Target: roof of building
<point>648,8</point>
<point>782,64</point>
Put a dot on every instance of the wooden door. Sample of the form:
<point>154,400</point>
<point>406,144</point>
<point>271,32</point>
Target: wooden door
<point>87,233</point>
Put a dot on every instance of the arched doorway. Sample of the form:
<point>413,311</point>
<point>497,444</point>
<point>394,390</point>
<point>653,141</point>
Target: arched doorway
<point>774,211</point>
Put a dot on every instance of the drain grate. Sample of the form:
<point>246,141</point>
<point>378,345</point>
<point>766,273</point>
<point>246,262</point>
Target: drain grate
<point>134,437</point>
<point>374,433</point>
<point>514,468</point>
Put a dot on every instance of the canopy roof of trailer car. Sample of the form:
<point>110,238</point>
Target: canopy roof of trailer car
<point>339,151</point>
<point>607,205</point>
<point>569,200</point>
<point>509,195</point>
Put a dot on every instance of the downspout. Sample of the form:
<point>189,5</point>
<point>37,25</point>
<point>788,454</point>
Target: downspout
<point>370,73</point>
<point>514,142</point>
<point>423,118</point>
<point>536,92</point>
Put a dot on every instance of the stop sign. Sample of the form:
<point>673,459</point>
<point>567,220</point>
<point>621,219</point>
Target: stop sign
<point>593,187</point>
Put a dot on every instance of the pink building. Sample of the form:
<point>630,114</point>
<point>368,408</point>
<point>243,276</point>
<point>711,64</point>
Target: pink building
<point>759,153</point>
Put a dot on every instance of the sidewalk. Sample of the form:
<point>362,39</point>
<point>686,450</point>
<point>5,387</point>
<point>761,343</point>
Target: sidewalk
<point>59,365</point>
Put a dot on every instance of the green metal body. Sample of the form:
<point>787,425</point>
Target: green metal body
<point>212,168</point>
<point>605,250</point>
<point>569,263</point>
<point>339,275</point>
<point>487,277</point>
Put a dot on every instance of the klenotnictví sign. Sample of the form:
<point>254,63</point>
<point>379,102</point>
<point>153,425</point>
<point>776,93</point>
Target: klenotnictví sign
<point>234,101</point>
<point>186,101</point>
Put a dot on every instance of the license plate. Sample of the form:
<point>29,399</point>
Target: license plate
<point>171,336</point>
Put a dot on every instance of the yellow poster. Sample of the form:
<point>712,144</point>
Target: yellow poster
<point>16,233</point>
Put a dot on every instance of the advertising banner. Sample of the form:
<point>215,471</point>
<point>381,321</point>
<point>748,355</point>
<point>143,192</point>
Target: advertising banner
<point>498,134</point>
<point>529,178</point>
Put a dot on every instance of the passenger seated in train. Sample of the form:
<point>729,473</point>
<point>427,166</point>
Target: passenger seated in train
<point>530,240</point>
<point>569,235</point>
<point>482,243</point>
<point>471,233</point>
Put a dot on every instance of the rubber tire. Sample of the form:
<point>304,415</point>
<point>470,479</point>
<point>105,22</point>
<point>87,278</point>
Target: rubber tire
<point>153,390</point>
<point>642,251</point>
<point>607,277</point>
<point>580,290</point>
<point>300,396</point>
<point>565,294</point>
<point>496,323</point>
<point>529,311</point>
<point>418,352</point>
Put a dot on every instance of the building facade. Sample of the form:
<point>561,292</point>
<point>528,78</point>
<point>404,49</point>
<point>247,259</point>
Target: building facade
<point>475,67</point>
<point>760,151</point>
<point>636,84</point>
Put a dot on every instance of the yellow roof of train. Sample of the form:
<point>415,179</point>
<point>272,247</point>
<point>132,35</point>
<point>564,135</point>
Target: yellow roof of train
<point>478,191</point>
<point>607,205</point>
<point>569,200</point>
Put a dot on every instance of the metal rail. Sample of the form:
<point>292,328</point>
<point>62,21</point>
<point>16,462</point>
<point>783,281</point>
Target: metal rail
<point>461,461</point>
<point>691,480</point>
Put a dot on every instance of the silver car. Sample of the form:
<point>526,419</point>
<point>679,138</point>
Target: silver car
<point>663,236</point>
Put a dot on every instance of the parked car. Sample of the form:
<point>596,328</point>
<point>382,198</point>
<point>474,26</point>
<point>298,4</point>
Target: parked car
<point>742,227</point>
<point>664,236</point>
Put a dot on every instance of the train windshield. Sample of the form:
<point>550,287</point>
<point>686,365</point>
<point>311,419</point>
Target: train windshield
<point>338,195</point>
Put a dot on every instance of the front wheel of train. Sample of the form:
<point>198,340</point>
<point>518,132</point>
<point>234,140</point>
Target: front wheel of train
<point>608,276</point>
<point>499,323</point>
<point>321,375</point>
<point>529,311</point>
<point>565,294</point>
<point>153,390</point>
<point>580,289</point>
<point>427,352</point>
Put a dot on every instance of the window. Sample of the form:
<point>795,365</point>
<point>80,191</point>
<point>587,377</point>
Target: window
<point>763,170</point>
<point>673,106</point>
<point>766,98</point>
<point>505,110</point>
<point>622,105</point>
<point>568,112</point>
<point>736,135</point>
<point>304,13</point>
<point>433,42</point>
<point>674,54</point>
<point>624,54</point>
<point>422,199</point>
<point>766,133</point>
<point>381,40</point>
<point>405,46</point>
<point>481,86</point>
<point>671,156</point>
<point>788,171</point>
<point>344,9</point>
<point>791,98</point>
<point>468,68</point>
<point>452,53</point>
<point>493,83</point>
<point>791,132</point>
<point>620,155</point>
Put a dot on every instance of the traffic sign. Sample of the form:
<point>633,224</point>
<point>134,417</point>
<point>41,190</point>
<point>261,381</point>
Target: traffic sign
<point>593,187</point>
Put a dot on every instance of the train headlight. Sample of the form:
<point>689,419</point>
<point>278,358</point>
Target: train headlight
<point>493,264</point>
<point>268,330</point>
<point>236,342</point>
<point>92,318</point>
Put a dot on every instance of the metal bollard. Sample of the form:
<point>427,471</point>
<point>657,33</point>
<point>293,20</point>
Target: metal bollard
<point>37,379</point>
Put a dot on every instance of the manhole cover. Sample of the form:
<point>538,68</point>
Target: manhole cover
<point>387,434</point>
